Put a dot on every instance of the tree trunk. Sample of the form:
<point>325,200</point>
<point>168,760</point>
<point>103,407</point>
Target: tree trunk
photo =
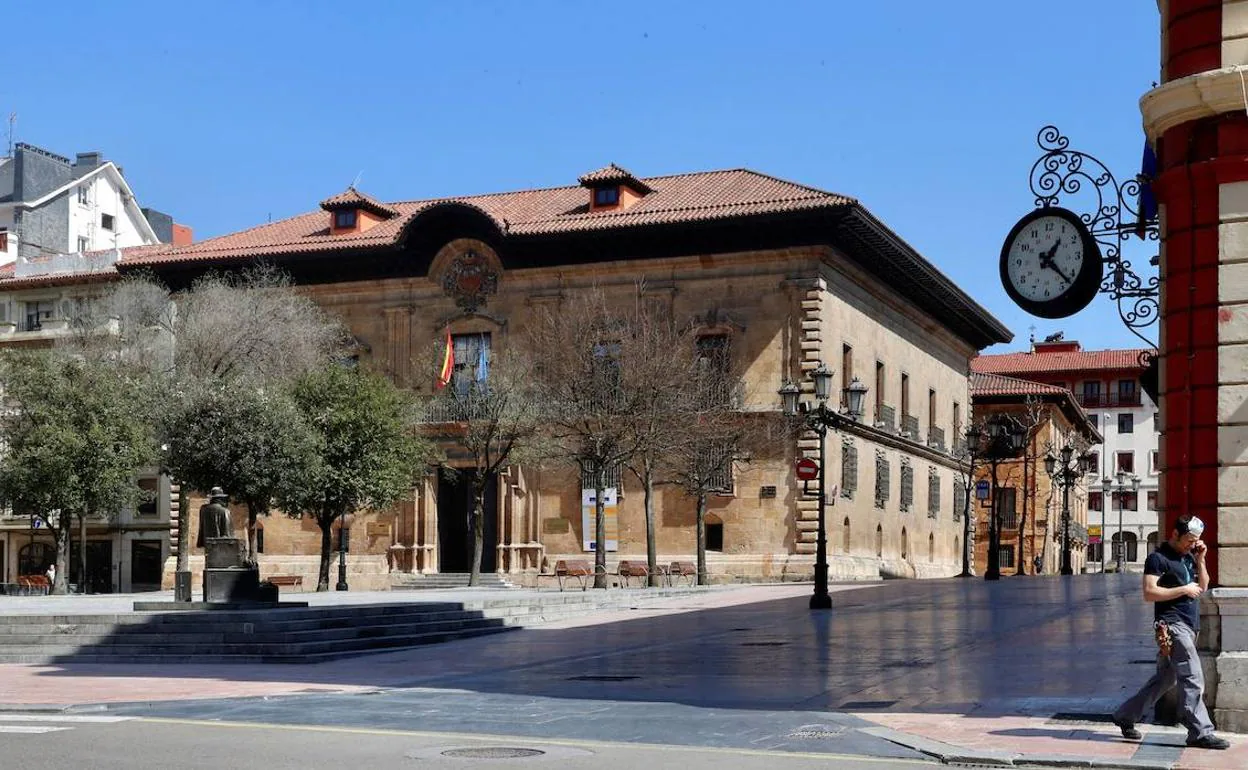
<point>1022,521</point>
<point>184,532</point>
<point>327,548</point>
<point>702,576</point>
<point>61,534</point>
<point>476,521</point>
<point>600,530</point>
<point>82,552</point>
<point>652,553</point>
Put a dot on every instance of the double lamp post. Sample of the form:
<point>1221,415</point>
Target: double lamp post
<point>1001,438</point>
<point>819,418</point>
<point>1066,470</point>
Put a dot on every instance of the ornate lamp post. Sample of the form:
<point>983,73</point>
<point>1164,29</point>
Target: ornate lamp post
<point>1002,439</point>
<point>818,417</point>
<point>344,543</point>
<point>1065,473</point>
<point>1124,479</point>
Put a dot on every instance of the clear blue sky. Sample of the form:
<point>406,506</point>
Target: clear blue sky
<point>224,113</point>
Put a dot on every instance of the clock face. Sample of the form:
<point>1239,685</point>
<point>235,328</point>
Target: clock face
<point>1050,264</point>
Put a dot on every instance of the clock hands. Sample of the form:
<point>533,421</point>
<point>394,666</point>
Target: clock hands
<point>1046,260</point>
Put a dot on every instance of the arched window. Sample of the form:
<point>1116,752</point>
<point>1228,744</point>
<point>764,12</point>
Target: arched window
<point>879,540</point>
<point>845,535</point>
<point>34,558</point>
<point>1152,543</point>
<point>1133,546</point>
<point>714,533</point>
<point>931,547</point>
<point>905,544</point>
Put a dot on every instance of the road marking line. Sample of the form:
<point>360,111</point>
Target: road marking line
<point>62,718</point>
<point>33,729</point>
<point>528,739</point>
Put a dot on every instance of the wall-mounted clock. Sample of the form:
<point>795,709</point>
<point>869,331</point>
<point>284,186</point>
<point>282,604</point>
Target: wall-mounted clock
<point>1050,264</point>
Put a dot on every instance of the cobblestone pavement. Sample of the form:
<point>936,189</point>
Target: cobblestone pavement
<point>961,670</point>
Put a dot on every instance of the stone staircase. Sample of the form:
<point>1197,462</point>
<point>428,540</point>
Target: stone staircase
<point>292,635</point>
<point>406,581</point>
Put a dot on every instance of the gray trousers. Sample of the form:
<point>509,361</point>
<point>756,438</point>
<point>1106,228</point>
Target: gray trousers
<point>1181,668</point>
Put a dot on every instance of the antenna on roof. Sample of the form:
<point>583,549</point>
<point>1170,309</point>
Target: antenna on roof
<point>356,181</point>
<point>12,122</point>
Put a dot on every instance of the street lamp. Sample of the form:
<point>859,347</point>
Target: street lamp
<point>344,543</point>
<point>1066,474</point>
<point>1002,439</point>
<point>818,417</point>
<point>1122,478</point>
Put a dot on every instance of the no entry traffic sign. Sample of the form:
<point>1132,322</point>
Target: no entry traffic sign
<point>807,469</point>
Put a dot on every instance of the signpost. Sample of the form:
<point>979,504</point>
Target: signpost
<point>982,490</point>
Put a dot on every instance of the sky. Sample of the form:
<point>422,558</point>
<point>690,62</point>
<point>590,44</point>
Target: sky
<point>227,113</point>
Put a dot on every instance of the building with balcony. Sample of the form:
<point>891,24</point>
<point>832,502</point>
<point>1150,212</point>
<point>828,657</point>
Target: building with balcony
<point>1107,385</point>
<point>783,275</point>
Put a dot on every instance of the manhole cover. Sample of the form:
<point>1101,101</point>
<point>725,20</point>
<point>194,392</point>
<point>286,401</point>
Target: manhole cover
<point>492,752</point>
<point>601,678</point>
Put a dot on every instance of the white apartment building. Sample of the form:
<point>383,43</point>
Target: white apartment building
<point>1107,385</point>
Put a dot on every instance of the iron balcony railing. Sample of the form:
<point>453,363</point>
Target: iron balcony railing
<point>1109,400</point>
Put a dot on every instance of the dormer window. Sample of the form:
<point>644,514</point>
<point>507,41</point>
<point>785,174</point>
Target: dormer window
<point>345,220</point>
<point>612,187</point>
<point>354,212</point>
<point>606,196</point>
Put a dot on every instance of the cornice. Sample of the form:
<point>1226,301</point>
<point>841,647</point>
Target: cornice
<point>1202,95</point>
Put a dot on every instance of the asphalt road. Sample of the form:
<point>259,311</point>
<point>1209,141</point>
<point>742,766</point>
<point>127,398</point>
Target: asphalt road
<point>140,744</point>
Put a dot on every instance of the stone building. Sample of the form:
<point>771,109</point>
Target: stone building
<point>785,275</point>
<point>1029,503</point>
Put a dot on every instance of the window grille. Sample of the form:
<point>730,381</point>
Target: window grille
<point>907,485</point>
<point>849,469</point>
<point>881,479</point>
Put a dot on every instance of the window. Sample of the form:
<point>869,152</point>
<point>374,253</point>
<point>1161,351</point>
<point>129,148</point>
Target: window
<point>933,493</point>
<point>1126,462</point>
<point>931,409</point>
<point>881,479</point>
<point>1154,462</point>
<point>957,422</point>
<point>960,499</point>
<point>147,503</point>
<point>849,469</point>
<point>346,219</point>
<point>714,533</point>
<point>713,363</point>
<point>106,221</point>
<point>1007,507</point>
<point>472,361</point>
<point>1095,419</point>
<point>36,313</point>
<point>716,461</point>
<point>879,390</point>
<point>905,395</point>
<point>1129,501</point>
<point>1126,423</point>
<point>1094,463</point>
<point>1091,394</point>
<point>1096,501</point>
<point>1005,556</point>
<point>146,563</point>
<point>4,239</point>
<point>83,195</point>
<point>847,373</point>
<point>907,485</point>
<point>84,245</point>
<point>259,537</point>
<point>1094,552</point>
<point>1127,395</point>
<point>612,478</point>
<point>606,196</point>
<point>1132,545</point>
<point>1152,501</point>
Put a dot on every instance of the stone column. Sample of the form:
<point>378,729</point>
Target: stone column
<point>1196,120</point>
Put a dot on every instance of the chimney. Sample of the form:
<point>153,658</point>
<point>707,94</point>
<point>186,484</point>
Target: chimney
<point>162,224</point>
<point>88,160</point>
<point>182,235</point>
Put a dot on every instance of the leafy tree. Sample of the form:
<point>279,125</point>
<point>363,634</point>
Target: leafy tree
<point>253,442</point>
<point>366,451</point>
<point>497,419</point>
<point>76,435</point>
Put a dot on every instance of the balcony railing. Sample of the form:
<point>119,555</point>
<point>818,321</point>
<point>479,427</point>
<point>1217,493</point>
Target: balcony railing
<point>910,426</point>
<point>885,418</point>
<point>1110,400</point>
<point>936,438</point>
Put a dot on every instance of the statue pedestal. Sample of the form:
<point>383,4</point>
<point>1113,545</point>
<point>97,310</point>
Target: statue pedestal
<point>227,575</point>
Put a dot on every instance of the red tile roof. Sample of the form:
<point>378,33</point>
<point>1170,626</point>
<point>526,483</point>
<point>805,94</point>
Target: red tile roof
<point>1057,362</point>
<point>697,197</point>
<point>998,385</point>
<point>9,280</point>
<point>353,198</point>
<point>613,173</point>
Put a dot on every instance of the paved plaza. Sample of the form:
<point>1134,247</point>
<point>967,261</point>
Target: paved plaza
<point>956,670</point>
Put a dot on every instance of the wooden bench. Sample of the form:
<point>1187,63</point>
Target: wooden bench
<point>287,580</point>
<point>34,585</point>
<point>683,569</point>
<point>632,569</point>
<point>579,569</point>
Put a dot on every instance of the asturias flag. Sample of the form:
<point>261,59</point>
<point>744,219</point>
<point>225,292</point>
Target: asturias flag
<point>448,363</point>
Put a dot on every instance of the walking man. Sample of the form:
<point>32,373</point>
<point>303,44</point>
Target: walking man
<point>1174,578</point>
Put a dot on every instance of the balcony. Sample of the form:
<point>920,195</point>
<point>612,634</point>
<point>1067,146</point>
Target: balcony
<point>936,438</point>
<point>885,418</point>
<point>1108,400</point>
<point>910,426</point>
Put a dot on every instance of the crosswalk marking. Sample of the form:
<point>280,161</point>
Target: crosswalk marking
<point>58,722</point>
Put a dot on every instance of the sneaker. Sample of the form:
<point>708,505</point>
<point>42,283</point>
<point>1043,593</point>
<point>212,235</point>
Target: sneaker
<point>1209,742</point>
<point>1128,729</point>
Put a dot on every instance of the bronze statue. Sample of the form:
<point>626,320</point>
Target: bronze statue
<point>214,517</point>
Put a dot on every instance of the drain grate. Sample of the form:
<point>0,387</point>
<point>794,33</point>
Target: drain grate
<point>1144,661</point>
<point>602,678</point>
<point>492,752</point>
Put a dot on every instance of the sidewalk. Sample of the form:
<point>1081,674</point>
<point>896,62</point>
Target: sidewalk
<point>960,671</point>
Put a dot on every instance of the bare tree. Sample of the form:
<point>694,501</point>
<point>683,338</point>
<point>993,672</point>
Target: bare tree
<point>494,413</point>
<point>586,350</point>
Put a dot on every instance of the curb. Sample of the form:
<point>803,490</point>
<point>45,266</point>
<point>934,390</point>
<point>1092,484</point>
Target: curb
<point>956,755</point>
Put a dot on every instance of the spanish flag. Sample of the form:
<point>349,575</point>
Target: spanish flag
<point>448,363</point>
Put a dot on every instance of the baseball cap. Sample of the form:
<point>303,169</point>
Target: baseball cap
<point>1193,526</point>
